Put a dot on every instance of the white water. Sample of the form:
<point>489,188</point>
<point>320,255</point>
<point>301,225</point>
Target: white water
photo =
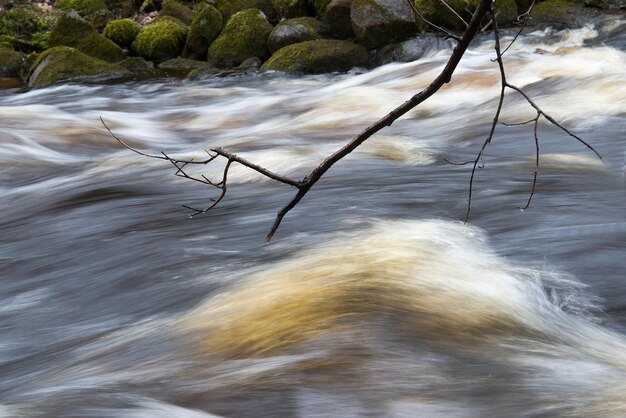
<point>374,300</point>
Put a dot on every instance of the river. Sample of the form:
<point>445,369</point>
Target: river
<point>374,298</point>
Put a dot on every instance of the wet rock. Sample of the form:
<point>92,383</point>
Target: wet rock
<point>179,11</point>
<point>293,31</point>
<point>290,8</point>
<point>62,64</point>
<point>205,27</point>
<point>180,67</point>
<point>244,36</point>
<point>319,8</point>
<point>122,31</point>
<point>137,65</point>
<point>314,57</point>
<point>161,40</point>
<point>228,8</point>
<point>437,13</point>
<point>410,49</point>
<point>73,31</point>
<point>10,62</point>
<point>251,64</point>
<point>338,19</point>
<point>378,22</point>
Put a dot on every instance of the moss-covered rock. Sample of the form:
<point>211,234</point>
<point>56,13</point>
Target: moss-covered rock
<point>314,57</point>
<point>506,10</point>
<point>180,67</point>
<point>205,27</point>
<point>338,18</point>
<point>25,28</point>
<point>137,65</point>
<point>290,8</point>
<point>437,13</point>
<point>122,31</point>
<point>293,31</point>
<point>378,22</point>
<point>161,40</point>
<point>62,64</point>
<point>558,13</point>
<point>179,11</point>
<point>150,6</point>
<point>84,7</point>
<point>244,36</point>
<point>228,8</point>
<point>73,31</point>
<point>10,62</point>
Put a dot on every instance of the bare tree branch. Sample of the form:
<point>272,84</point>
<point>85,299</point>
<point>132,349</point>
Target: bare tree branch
<point>421,16</point>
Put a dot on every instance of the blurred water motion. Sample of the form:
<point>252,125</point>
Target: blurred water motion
<point>373,300</point>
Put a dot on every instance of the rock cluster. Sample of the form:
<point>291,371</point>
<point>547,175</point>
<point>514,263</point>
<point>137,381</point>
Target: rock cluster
<point>59,40</point>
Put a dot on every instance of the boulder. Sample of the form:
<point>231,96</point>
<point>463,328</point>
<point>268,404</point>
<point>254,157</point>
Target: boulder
<point>411,49</point>
<point>205,27</point>
<point>25,28</point>
<point>314,57</point>
<point>288,9</point>
<point>180,67</point>
<point>122,31</point>
<point>437,13</point>
<point>10,62</point>
<point>137,65</point>
<point>62,64</point>
<point>179,11</point>
<point>228,8</point>
<point>71,30</point>
<point>244,36</point>
<point>161,40</point>
<point>378,22</point>
<point>293,31</point>
<point>338,18</point>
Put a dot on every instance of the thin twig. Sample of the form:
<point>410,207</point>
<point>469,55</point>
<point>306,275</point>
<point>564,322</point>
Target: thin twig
<point>421,16</point>
<point>454,12</point>
<point>526,17</point>
<point>536,171</point>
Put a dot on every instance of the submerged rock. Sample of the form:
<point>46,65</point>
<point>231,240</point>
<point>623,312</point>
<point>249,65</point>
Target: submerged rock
<point>137,65</point>
<point>122,31</point>
<point>314,57</point>
<point>10,63</point>
<point>73,31</point>
<point>61,64</point>
<point>244,36</point>
<point>205,27</point>
<point>180,67</point>
<point>293,31</point>
<point>411,49</point>
<point>161,40</point>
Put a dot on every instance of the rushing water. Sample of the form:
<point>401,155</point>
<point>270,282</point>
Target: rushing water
<point>374,299</point>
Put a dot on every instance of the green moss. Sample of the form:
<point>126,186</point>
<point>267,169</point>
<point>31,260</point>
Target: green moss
<point>177,10</point>
<point>61,64</point>
<point>84,7</point>
<point>10,62</point>
<point>554,12</point>
<point>122,31</point>
<point>205,27</point>
<point>71,30</point>
<point>163,39</point>
<point>121,8</point>
<point>438,14</point>
<point>228,8</point>
<point>290,8</point>
<point>150,6</point>
<point>25,28</point>
<point>313,57</point>
<point>244,36</point>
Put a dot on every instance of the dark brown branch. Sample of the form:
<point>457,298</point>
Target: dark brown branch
<point>536,171</point>
<point>526,17</point>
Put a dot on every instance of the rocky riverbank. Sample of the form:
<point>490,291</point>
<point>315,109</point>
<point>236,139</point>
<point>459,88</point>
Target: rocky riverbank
<point>49,42</point>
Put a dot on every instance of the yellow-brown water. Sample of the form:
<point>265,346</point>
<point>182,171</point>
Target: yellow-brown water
<point>373,300</point>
